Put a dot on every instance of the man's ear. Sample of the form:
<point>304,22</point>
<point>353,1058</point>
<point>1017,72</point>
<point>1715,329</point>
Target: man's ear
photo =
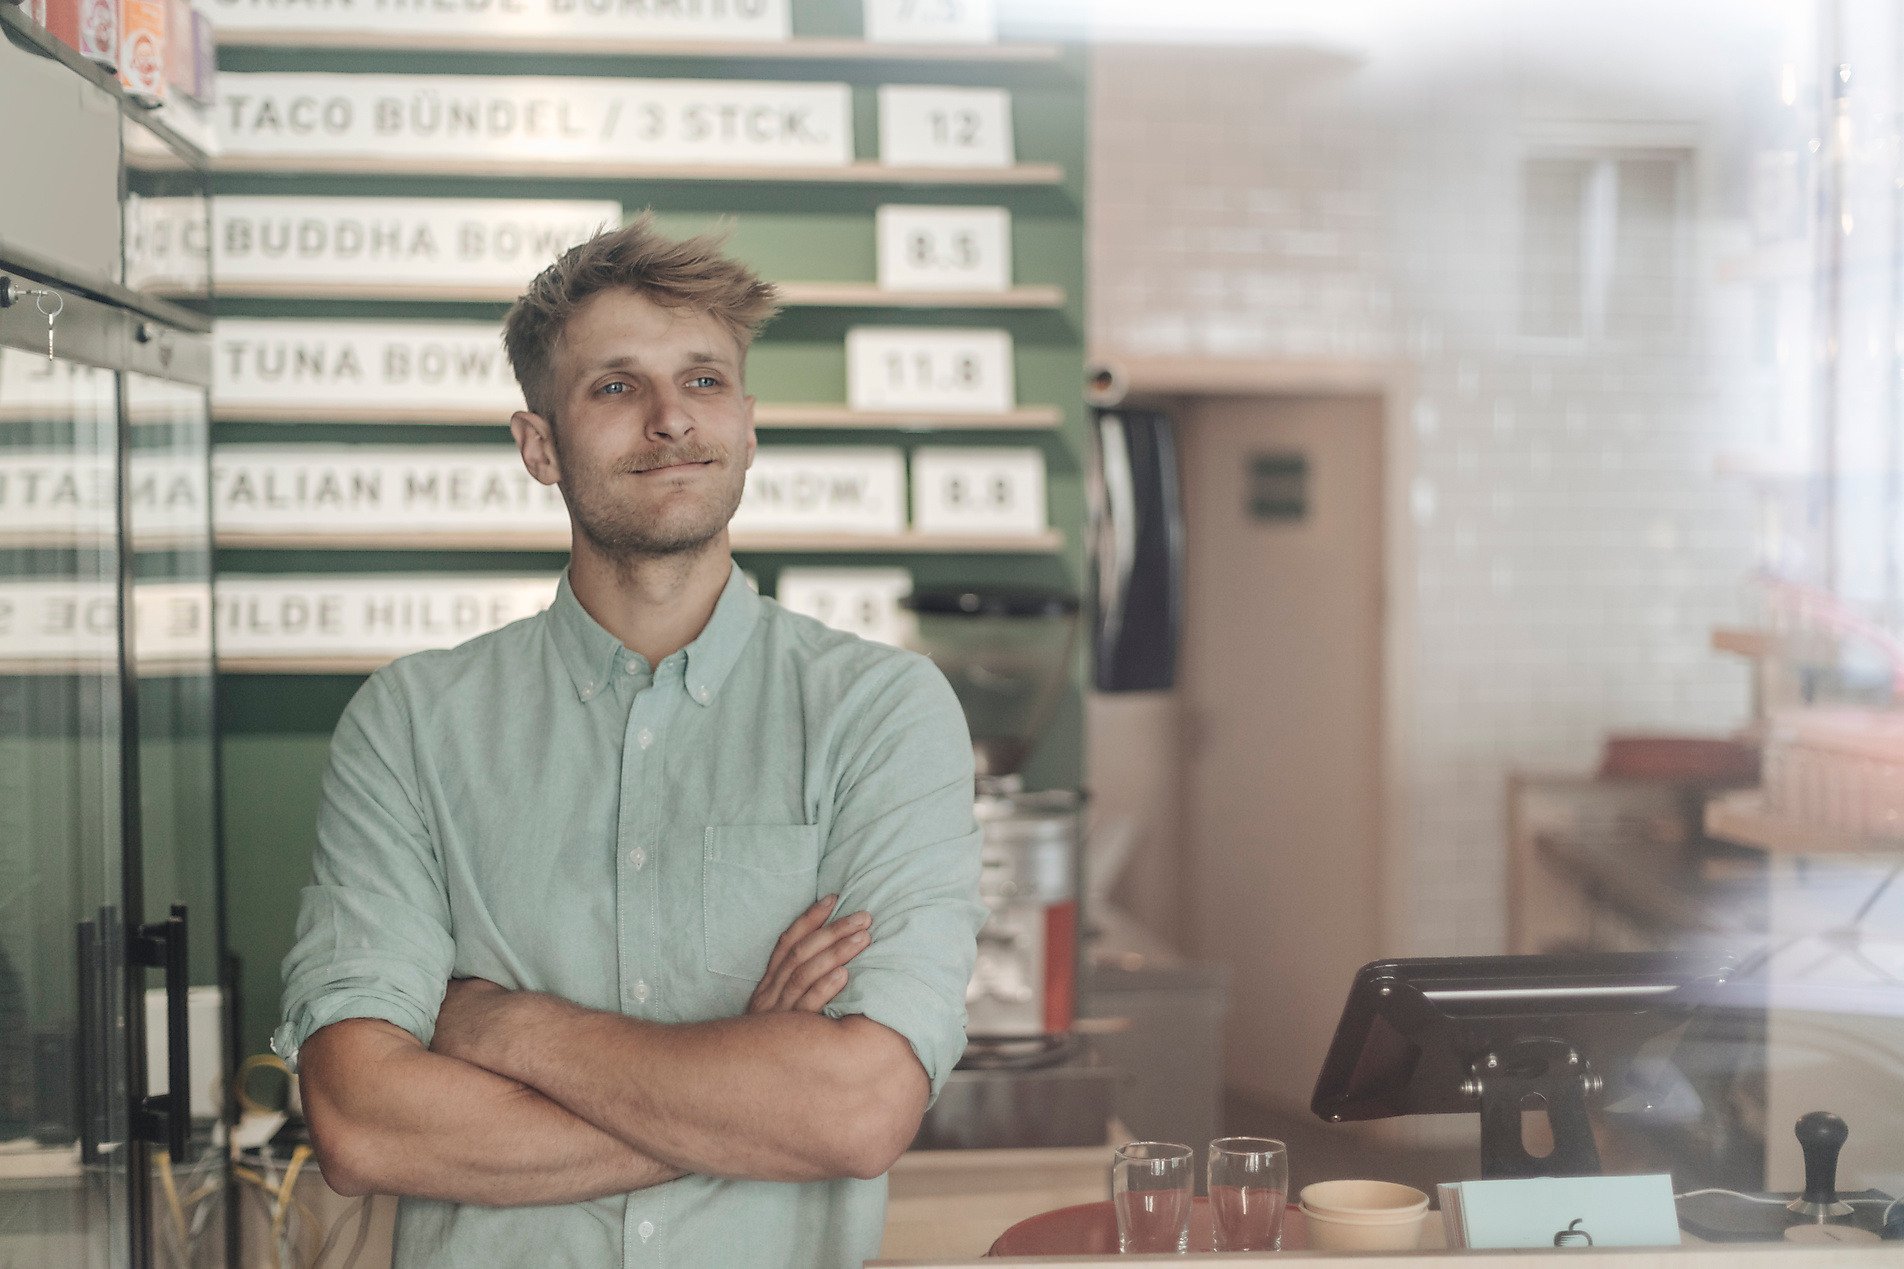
<point>753,441</point>
<point>535,441</point>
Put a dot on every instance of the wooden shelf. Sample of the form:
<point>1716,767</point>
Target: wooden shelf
<point>1147,376</point>
<point>792,294</point>
<point>822,417</point>
<point>858,173</point>
<point>558,540</point>
<point>302,665</point>
<point>796,50</point>
<point>1743,817</point>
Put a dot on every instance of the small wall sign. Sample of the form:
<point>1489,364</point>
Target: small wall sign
<point>943,248</point>
<point>994,492</point>
<point>925,370</point>
<point>673,121</point>
<point>861,601</point>
<point>945,127</point>
<point>1279,487</point>
<point>931,21</point>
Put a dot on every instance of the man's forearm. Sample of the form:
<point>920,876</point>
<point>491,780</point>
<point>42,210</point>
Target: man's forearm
<point>388,1116</point>
<point>783,1096</point>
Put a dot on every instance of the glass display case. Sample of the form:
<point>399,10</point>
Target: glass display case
<point>112,973</point>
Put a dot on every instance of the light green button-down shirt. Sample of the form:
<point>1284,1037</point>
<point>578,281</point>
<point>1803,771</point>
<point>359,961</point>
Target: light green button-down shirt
<point>541,808</point>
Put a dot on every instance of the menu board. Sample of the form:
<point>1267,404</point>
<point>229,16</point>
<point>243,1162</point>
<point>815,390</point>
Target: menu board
<point>271,492</point>
<point>354,490</point>
<point>357,366</point>
<point>496,117</point>
<point>397,242</point>
<point>364,617</point>
<point>629,19</point>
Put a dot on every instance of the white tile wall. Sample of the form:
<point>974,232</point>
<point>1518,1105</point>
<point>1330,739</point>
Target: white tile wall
<point>1573,542</point>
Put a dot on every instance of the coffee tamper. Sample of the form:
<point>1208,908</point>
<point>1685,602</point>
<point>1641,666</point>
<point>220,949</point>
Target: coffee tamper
<point>1821,1135</point>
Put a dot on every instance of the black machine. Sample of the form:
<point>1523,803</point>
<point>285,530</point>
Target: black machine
<point>1500,1035</point>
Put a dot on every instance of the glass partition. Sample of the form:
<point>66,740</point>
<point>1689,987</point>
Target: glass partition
<point>64,1145</point>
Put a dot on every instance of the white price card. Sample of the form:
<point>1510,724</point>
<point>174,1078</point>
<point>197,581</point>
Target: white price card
<point>945,127</point>
<point>931,21</point>
<point>995,492</point>
<point>395,242</point>
<point>943,248</point>
<point>913,369</point>
<point>815,489</point>
<point>861,601</point>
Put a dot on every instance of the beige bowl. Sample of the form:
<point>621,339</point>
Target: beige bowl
<point>1362,1201</point>
<point>1329,1233</point>
<point>1363,1215</point>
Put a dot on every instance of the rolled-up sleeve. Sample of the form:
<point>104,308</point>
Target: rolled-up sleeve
<point>904,846</point>
<point>373,930</point>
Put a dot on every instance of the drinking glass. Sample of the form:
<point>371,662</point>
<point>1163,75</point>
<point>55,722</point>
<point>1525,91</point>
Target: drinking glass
<point>1151,1183</point>
<point>1249,1184</point>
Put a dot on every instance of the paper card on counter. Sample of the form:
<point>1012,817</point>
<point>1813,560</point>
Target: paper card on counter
<point>1561,1212</point>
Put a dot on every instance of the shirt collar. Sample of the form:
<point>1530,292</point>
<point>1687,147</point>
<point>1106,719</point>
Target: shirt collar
<point>589,652</point>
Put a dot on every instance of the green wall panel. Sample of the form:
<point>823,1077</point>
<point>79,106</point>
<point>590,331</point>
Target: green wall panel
<point>277,727</point>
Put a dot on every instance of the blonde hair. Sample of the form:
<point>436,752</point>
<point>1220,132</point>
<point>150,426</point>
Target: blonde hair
<point>690,273</point>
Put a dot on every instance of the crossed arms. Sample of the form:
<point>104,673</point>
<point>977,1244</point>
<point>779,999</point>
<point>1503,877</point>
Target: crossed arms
<point>525,1098</point>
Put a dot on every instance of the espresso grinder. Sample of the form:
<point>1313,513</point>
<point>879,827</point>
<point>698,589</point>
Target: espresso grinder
<point>1006,654</point>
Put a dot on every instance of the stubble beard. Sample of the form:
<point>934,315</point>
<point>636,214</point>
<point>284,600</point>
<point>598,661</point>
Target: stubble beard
<point>619,531</point>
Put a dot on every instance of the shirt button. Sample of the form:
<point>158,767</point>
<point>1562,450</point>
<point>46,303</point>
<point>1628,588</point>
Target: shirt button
<point>701,694</point>
<point>646,1230</point>
<point>633,668</point>
<point>644,738</point>
<point>637,857</point>
<point>641,989</point>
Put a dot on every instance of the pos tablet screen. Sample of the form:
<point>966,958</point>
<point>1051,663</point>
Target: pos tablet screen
<point>1497,1035</point>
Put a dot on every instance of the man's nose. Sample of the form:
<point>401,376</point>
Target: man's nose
<point>668,417</point>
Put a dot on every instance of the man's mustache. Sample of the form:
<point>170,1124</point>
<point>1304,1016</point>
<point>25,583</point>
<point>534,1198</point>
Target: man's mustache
<point>696,453</point>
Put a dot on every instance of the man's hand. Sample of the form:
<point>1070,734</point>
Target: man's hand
<point>472,1009</point>
<point>808,965</point>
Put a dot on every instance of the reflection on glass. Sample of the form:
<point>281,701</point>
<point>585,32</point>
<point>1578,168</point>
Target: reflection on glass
<point>63,1129</point>
<point>167,211</point>
<point>168,533</point>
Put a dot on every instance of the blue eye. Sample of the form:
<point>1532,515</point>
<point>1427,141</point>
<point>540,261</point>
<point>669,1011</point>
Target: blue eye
<point>709,380</point>
<point>616,385</point>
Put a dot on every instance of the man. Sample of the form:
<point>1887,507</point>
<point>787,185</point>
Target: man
<point>564,978</point>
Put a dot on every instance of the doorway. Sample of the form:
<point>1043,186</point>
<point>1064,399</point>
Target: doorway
<point>1281,700</point>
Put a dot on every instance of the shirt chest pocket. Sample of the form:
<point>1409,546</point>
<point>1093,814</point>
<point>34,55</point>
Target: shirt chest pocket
<point>755,879</point>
